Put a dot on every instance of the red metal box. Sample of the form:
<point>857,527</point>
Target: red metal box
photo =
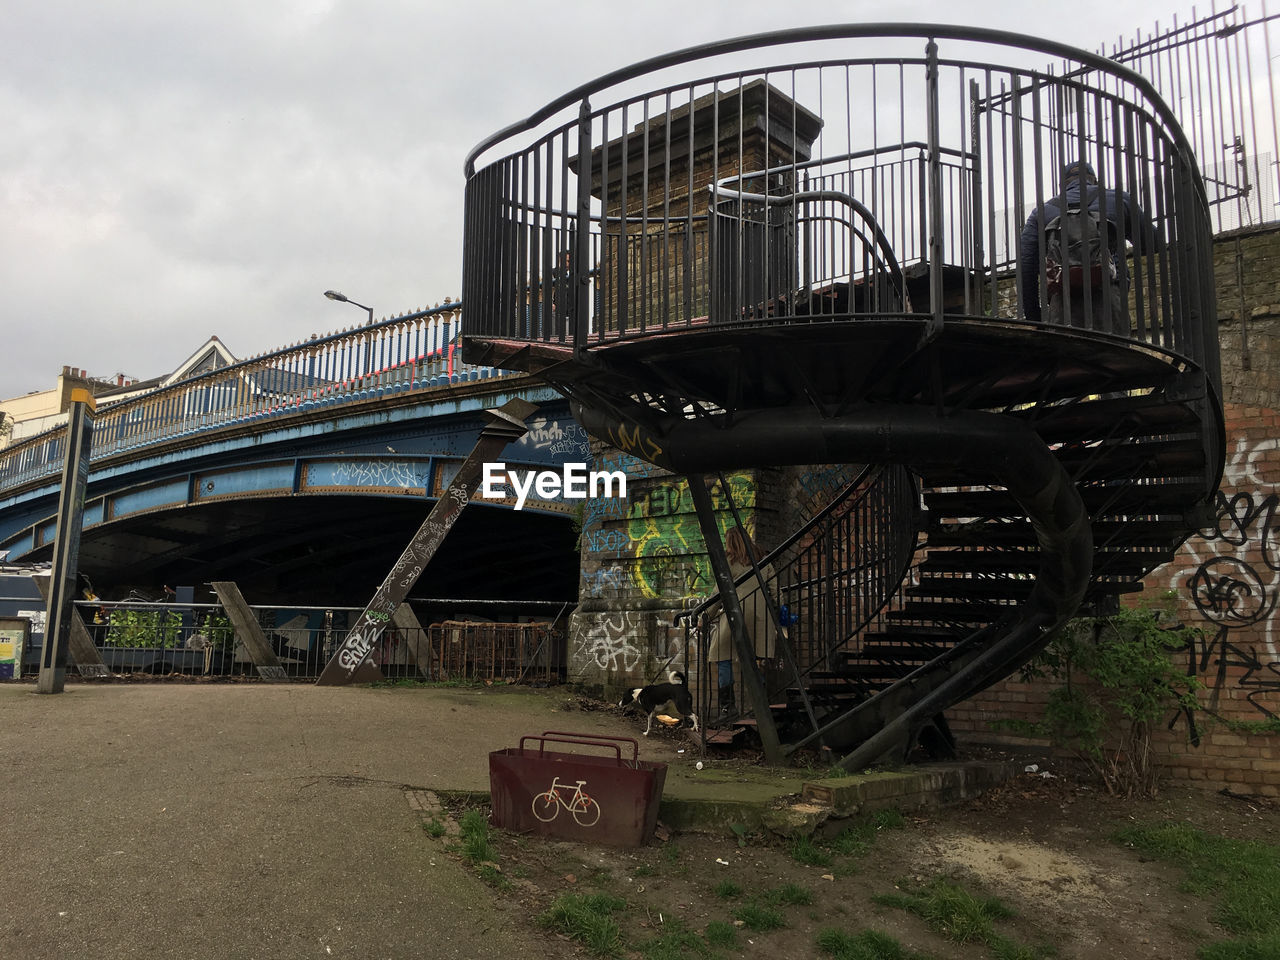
<point>595,797</point>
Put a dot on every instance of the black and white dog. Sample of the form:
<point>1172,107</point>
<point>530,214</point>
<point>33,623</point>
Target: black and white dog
<point>657,697</point>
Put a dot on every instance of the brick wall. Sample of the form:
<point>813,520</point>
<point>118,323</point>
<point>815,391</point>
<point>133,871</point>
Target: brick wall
<point>1227,576</point>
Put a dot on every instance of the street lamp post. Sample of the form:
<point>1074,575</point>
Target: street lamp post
<point>343,298</point>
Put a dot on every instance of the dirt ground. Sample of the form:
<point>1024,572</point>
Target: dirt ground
<point>1041,844</point>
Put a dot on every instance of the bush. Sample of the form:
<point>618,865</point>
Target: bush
<point>1119,679</point>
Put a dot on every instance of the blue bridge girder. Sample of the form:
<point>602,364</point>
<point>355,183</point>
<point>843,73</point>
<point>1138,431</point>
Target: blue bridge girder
<point>347,475</point>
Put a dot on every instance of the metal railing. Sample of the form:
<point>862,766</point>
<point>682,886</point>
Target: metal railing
<point>410,353</point>
<point>826,581</point>
<point>198,640</point>
<point>598,228</point>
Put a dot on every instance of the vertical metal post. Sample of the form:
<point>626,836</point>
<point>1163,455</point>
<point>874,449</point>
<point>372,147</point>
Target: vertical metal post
<point>751,680</point>
<point>66,547</point>
<point>582,243</point>
<point>934,198</point>
<point>975,184</point>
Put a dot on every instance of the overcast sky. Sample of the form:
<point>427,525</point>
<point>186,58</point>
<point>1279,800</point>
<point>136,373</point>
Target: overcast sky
<point>171,170</point>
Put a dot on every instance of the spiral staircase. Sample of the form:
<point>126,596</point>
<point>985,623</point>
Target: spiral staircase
<point>741,270</point>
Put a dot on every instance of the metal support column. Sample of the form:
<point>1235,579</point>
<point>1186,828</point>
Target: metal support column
<point>751,679</point>
<point>66,548</point>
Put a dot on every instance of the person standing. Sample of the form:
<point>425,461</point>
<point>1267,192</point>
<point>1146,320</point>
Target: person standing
<point>761,629</point>
<point>1084,261</point>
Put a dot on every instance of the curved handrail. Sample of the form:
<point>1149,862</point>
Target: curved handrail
<point>881,241</point>
<point>847,31</point>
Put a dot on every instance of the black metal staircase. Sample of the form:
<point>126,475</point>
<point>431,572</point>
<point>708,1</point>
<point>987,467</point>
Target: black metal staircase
<point>736,271</point>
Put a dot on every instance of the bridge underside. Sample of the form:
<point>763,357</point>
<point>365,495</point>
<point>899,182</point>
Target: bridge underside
<point>332,549</point>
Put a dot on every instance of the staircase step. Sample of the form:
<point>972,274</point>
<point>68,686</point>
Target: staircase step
<point>1130,459</point>
<point>920,652</point>
<point>1015,534</point>
<point>982,587</point>
<point>975,613</point>
<point>892,633</point>
<point>1147,499</point>
<point>998,562</point>
<point>1004,588</point>
<point>1117,416</point>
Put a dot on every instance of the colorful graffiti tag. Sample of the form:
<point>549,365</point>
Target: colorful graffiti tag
<point>667,541</point>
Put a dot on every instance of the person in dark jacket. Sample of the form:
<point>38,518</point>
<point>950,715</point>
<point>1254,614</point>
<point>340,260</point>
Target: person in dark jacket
<point>1105,305</point>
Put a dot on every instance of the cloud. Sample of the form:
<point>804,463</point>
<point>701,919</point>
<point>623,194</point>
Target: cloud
<point>172,170</point>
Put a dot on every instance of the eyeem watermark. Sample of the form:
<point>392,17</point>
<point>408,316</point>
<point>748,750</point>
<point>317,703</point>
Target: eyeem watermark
<point>572,482</point>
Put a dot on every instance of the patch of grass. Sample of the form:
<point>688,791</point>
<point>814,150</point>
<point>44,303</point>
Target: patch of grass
<point>720,934</point>
<point>727,890</point>
<point>671,852</point>
<point>1265,947</point>
<point>434,827</point>
<point>755,916</point>
<point>856,839</point>
<point>866,945</point>
<point>789,894</point>
<point>491,875</point>
<point>477,847</point>
<point>959,915</point>
<point>807,851</point>
<point>587,918</point>
<point>675,942</point>
<point>417,682</point>
<point>1243,876</point>
<point>644,870</point>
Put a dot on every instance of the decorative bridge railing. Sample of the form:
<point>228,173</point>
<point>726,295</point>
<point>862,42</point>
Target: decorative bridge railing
<point>395,355</point>
<point>824,185</point>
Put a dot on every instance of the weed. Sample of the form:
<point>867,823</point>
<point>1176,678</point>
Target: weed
<point>676,942</point>
<point>434,828</point>
<point>720,934</point>
<point>790,894</point>
<point>755,916</point>
<point>433,684</point>
<point>867,945</point>
<point>671,852</point>
<point>805,850</point>
<point>739,831</point>
<point>728,890</point>
<point>958,914</point>
<point>476,844</point>
<point>587,918</point>
<point>1243,875</point>
<point>644,870</point>
<point>491,875</point>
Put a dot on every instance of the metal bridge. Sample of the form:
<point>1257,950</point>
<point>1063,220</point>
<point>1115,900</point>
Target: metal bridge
<point>301,473</point>
<point>812,259</point>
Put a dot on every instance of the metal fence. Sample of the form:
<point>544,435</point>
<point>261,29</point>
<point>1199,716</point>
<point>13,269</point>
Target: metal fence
<point>411,353</point>
<point>198,640</point>
<point>815,186</point>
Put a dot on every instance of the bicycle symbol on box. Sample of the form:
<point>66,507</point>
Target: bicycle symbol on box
<point>546,806</point>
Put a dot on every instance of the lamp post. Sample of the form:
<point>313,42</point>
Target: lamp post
<point>343,298</point>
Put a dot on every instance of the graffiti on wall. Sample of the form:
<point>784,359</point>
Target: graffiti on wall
<point>667,541</point>
<point>607,641</point>
<point>1234,580</point>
